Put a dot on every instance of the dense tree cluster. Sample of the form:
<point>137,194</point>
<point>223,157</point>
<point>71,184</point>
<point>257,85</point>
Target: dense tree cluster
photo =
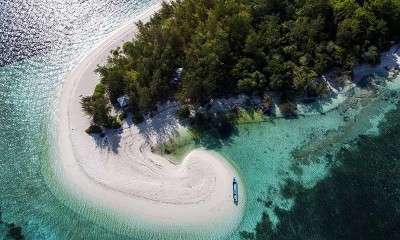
<point>97,106</point>
<point>251,46</point>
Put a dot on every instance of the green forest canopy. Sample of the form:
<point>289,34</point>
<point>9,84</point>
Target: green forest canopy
<point>247,46</point>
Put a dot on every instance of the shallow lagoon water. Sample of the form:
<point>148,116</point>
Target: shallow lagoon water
<point>303,150</point>
<point>29,84</point>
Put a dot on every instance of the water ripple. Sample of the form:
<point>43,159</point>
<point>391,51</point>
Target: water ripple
<point>41,41</point>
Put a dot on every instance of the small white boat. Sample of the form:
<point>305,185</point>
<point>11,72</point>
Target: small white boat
<point>235,191</point>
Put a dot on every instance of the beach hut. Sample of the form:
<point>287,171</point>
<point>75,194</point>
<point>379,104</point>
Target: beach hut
<point>177,76</point>
<point>123,101</point>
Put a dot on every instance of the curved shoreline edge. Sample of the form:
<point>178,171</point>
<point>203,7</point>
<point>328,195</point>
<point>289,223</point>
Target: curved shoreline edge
<point>195,195</point>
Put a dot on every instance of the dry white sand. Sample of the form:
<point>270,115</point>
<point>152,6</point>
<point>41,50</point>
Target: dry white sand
<point>119,172</point>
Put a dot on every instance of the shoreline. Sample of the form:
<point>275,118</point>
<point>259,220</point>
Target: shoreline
<point>338,97</point>
<point>123,175</point>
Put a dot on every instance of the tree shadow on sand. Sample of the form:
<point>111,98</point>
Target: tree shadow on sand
<point>162,125</point>
<point>108,140</point>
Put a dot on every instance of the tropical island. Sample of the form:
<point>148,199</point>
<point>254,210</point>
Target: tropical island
<point>268,49</point>
<point>190,56</point>
<point>116,174</point>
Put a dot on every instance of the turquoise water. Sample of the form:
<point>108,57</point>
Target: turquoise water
<point>30,80</point>
<point>29,86</point>
<point>301,152</point>
<point>359,199</point>
<point>262,152</point>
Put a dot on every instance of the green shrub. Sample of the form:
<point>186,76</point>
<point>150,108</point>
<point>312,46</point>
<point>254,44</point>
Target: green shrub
<point>122,116</point>
<point>183,112</point>
<point>93,129</point>
<point>371,55</point>
<point>267,103</point>
<point>137,119</point>
<point>201,122</point>
<point>99,90</point>
<point>98,108</point>
<point>116,124</point>
<point>113,122</point>
<point>288,109</point>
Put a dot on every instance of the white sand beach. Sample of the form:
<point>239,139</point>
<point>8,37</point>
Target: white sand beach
<point>120,172</point>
